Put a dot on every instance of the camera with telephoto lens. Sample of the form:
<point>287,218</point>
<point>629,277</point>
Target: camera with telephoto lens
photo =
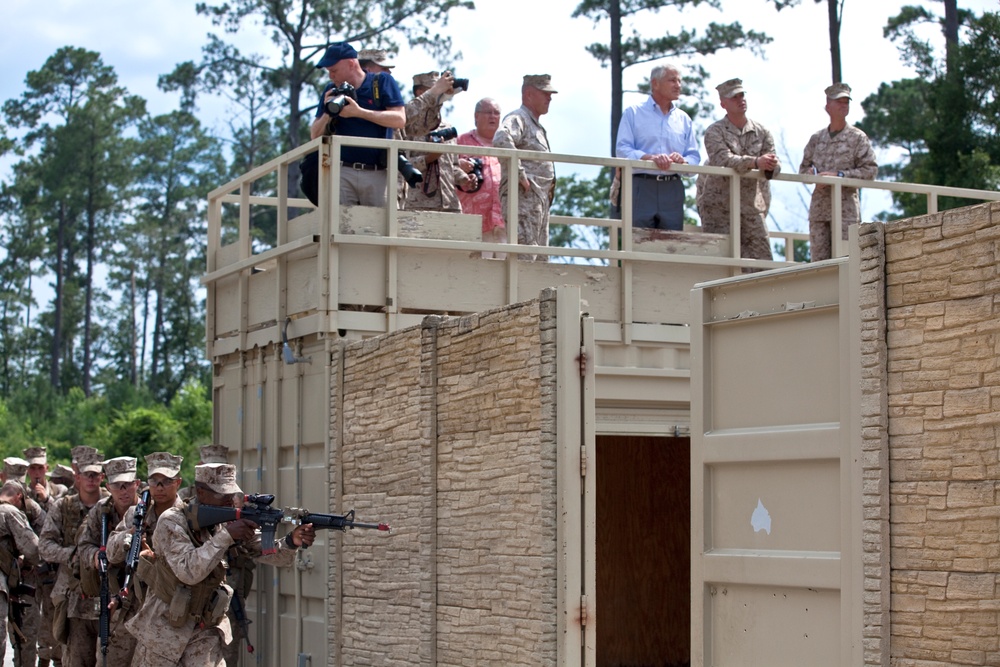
<point>335,104</point>
<point>462,84</point>
<point>477,171</point>
<point>444,134</point>
<point>411,174</point>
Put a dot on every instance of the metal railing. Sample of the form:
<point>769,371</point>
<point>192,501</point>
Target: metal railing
<point>242,260</point>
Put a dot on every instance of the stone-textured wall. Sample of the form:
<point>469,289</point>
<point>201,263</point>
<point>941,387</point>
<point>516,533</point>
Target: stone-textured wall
<point>449,429</point>
<point>874,445</point>
<point>943,314</point>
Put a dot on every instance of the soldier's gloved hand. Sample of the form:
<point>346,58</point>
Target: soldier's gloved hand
<point>241,529</point>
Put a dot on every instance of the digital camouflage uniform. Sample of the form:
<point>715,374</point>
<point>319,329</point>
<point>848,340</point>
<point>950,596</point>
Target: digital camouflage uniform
<point>43,577</point>
<point>848,151</point>
<point>121,644</point>
<point>521,130</point>
<point>16,538</point>
<point>26,649</point>
<point>57,545</point>
<point>192,557</point>
<point>437,191</point>
<point>736,148</point>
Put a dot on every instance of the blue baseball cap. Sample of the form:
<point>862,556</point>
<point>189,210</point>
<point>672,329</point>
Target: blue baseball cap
<point>335,53</point>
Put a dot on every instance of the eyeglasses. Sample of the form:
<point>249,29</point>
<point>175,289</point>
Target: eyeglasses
<point>91,476</point>
<point>161,483</point>
<point>120,486</point>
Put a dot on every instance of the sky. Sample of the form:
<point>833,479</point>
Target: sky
<point>501,41</point>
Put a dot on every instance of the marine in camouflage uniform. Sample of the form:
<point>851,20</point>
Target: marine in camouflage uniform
<point>442,172</point>
<point>837,150</point>
<point>26,650</point>
<point>742,144</point>
<point>522,130</point>
<point>16,539</point>
<point>183,620</point>
<point>75,615</point>
<point>45,492</point>
<point>121,481</point>
<point>163,474</point>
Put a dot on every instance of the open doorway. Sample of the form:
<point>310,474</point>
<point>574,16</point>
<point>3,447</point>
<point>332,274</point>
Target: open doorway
<point>643,551</point>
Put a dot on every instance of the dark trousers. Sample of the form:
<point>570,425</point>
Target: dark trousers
<point>658,203</point>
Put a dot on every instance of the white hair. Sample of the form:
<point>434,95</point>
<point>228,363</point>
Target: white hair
<point>660,71</point>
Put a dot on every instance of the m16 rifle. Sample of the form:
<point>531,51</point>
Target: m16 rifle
<point>132,559</point>
<point>257,508</point>
<point>104,624</point>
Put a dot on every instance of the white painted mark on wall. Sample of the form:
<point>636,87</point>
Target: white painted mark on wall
<point>760,519</point>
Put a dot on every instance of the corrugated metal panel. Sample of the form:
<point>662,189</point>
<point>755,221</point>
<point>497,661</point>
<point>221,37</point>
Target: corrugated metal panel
<point>773,549</point>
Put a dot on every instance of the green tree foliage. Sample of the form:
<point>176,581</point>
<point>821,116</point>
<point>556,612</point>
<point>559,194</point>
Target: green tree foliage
<point>75,112</point>
<point>944,121</point>
<point>621,52</point>
<point>302,29</point>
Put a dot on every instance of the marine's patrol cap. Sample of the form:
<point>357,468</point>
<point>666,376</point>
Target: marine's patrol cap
<point>120,469</point>
<point>425,80</point>
<point>730,88</point>
<point>36,456</point>
<point>15,467</point>
<point>88,460</point>
<point>220,477</point>
<point>79,451</point>
<point>378,56</point>
<point>542,82</point>
<point>61,472</point>
<point>214,454</point>
<point>838,90</point>
<point>335,53</point>
<point>163,463</point>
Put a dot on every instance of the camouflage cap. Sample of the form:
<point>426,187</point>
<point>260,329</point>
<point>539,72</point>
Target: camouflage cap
<point>838,90</point>
<point>542,82</point>
<point>214,454</point>
<point>89,460</point>
<point>61,472</point>
<point>730,88</point>
<point>220,477</point>
<point>36,456</point>
<point>163,463</point>
<point>425,80</point>
<point>120,469</point>
<point>378,56</point>
<point>79,451</point>
<point>14,467</point>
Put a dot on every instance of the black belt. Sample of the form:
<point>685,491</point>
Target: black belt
<point>362,166</point>
<point>659,177</point>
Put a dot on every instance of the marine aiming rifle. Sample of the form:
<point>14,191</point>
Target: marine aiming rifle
<point>132,559</point>
<point>257,508</point>
<point>104,627</point>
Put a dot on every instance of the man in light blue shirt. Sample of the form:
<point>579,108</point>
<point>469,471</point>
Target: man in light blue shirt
<point>659,131</point>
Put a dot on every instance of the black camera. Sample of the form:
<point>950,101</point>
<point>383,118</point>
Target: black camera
<point>477,171</point>
<point>460,83</point>
<point>411,174</point>
<point>335,104</point>
<point>444,134</point>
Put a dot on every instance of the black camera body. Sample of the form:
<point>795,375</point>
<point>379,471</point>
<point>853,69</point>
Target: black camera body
<point>477,171</point>
<point>462,84</point>
<point>410,174</point>
<point>444,134</point>
<point>335,104</point>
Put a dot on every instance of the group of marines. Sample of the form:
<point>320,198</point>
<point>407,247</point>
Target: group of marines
<point>56,528</point>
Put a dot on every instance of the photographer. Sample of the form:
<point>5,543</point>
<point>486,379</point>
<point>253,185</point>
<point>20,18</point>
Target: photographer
<point>441,171</point>
<point>373,110</point>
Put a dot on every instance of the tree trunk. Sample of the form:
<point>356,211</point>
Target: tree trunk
<point>835,13</point>
<point>57,301</point>
<point>615,13</point>
<point>950,31</point>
